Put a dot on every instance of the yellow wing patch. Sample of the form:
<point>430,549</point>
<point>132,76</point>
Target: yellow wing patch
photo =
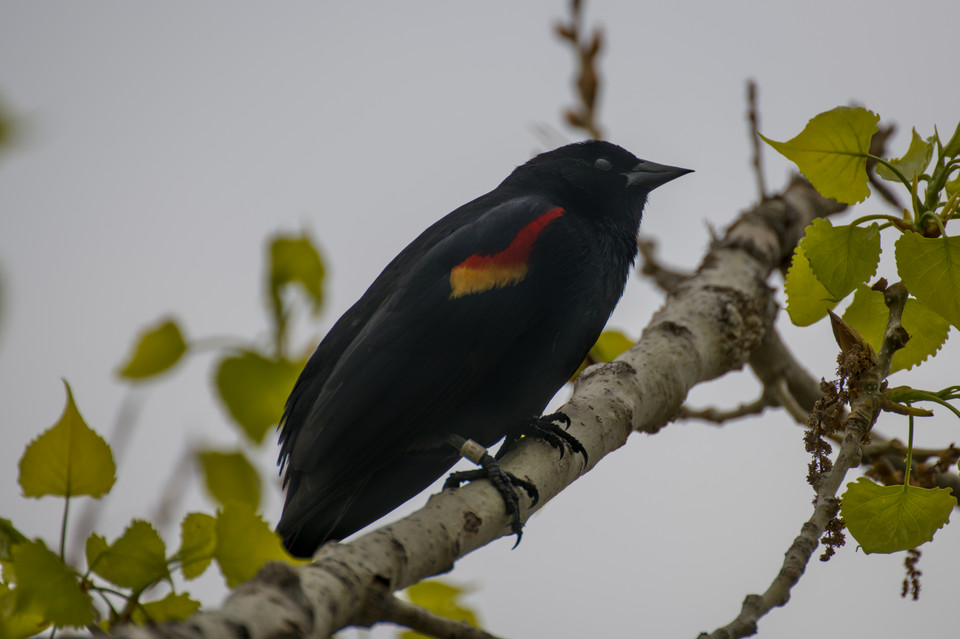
<point>465,280</point>
<point>479,273</point>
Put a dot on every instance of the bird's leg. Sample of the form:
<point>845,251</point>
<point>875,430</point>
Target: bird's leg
<point>547,429</point>
<point>490,469</point>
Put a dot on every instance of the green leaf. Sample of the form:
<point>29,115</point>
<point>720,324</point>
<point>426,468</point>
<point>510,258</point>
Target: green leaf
<point>928,331</point>
<point>244,543</point>
<point>254,390</point>
<point>68,459</point>
<point>295,260</point>
<point>831,152</point>
<point>842,257</point>
<point>20,624</point>
<point>157,350</point>
<point>46,586</point>
<point>953,186</point>
<point>886,519</point>
<point>441,599</point>
<point>807,299</point>
<point>952,148</point>
<point>198,541</point>
<point>930,269</point>
<point>914,162</point>
<point>231,477</point>
<point>9,537</point>
<point>610,345</point>
<point>135,560</point>
<point>173,607</point>
<point>95,547</point>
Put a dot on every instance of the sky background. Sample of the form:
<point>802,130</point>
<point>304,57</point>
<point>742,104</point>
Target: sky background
<point>162,143</point>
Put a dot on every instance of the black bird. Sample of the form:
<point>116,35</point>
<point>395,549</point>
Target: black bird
<point>468,332</point>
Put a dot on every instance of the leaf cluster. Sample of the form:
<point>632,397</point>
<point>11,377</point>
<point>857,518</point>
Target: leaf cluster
<point>833,263</point>
<point>69,460</point>
<point>252,380</point>
<point>39,588</point>
<point>121,578</point>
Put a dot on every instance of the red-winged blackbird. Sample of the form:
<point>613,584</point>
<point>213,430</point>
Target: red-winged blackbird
<point>468,332</point>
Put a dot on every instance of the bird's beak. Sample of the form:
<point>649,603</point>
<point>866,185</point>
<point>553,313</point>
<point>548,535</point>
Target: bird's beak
<point>650,175</point>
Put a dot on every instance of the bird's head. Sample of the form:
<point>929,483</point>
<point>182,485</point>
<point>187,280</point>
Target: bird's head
<point>596,175</point>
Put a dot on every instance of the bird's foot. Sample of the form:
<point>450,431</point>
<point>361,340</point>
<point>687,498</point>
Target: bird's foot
<point>547,428</point>
<point>503,481</point>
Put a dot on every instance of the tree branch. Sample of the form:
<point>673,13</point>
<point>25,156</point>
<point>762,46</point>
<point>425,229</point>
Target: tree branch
<point>775,366</point>
<point>719,416</point>
<point>388,608</point>
<point>708,326</point>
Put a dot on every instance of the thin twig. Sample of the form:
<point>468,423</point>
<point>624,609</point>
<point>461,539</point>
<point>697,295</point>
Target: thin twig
<point>753,115</point>
<point>666,278</point>
<point>774,361</point>
<point>584,114</point>
<point>175,488</point>
<point>383,607</point>
<point>895,448</point>
<point>780,393</point>
<point>774,395</point>
<point>878,145</point>
<point>719,416</point>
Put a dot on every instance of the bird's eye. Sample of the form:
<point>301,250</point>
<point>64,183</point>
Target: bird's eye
<point>603,164</point>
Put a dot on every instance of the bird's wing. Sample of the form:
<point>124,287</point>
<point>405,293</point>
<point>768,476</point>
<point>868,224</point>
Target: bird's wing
<point>451,319</point>
<point>314,376</point>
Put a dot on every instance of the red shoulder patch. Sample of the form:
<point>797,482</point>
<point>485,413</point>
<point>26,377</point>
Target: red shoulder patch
<point>480,273</point>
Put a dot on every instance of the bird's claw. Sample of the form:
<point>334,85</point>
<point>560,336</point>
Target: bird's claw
<point>547,429</point>
<point>504,482</point>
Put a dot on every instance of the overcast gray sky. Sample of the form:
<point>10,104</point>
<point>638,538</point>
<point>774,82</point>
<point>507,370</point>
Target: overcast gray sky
<point>161,143</point>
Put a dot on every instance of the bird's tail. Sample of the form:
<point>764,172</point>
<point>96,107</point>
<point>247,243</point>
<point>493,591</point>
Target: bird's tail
<point>320,509</point>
